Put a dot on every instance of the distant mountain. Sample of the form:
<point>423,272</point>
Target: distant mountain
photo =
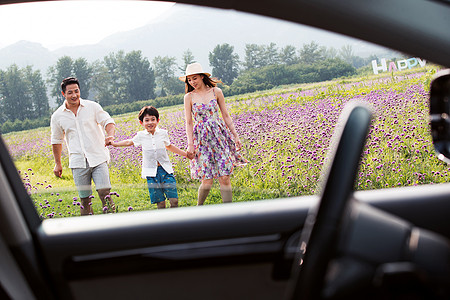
<point>25,53</point>
<point>187,27</point>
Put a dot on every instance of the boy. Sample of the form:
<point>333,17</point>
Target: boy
<point>156,166</point>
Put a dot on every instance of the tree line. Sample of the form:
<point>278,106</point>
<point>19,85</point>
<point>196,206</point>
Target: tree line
<point>121,79</point>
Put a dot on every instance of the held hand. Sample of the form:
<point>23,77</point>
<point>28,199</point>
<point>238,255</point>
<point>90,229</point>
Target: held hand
<point>190,155</point>
<point>109,140</point>
<point>238,144</point>
<point>190,151</point>
<point>58,171</point>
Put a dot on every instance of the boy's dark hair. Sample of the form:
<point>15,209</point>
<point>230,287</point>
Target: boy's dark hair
<point>67,81</point>
<point>148,110</point>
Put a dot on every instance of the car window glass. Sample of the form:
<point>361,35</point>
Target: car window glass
<point>284,86</point>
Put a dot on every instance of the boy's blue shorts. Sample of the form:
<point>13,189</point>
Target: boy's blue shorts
<point>162,186</point>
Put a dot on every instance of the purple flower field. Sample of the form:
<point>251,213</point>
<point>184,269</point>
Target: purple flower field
<point>286,136</point>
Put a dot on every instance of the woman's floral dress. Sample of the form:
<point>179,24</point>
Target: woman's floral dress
<point>216,153</point>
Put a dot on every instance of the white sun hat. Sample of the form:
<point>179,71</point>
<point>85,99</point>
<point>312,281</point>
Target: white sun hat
<point>194,68</point>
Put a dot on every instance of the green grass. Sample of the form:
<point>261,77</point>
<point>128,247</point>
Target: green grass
<point>286,135</point>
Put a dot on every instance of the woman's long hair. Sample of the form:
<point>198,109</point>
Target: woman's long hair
<point>208,81</point>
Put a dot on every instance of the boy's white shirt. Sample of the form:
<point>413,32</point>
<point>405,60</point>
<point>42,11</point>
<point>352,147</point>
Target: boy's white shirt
<point>153,151</point>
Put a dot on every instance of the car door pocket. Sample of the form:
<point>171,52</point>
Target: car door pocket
<point>166,257</point>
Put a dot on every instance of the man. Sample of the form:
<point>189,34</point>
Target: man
<point>82,123</point>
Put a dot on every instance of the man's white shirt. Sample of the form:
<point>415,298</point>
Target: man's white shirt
<point>84,133</point>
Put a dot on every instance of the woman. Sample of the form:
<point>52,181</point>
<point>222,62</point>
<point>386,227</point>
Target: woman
<point>209,136</point>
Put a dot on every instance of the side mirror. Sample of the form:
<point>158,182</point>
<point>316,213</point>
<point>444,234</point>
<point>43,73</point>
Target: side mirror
<point>440,114</point>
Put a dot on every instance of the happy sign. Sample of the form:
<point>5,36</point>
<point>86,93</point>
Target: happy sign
<point>400,65</point>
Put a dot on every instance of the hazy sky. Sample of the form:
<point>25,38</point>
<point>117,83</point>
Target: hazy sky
<point>47,22</point>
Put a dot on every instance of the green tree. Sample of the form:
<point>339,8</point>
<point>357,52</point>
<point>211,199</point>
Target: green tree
<point>188,58</point>
<point>101,84</point>
<point>259,56</point>
<point>269,76</point>
<point>224,63</point>
<point>16,101</point>
<point>66,67</point>
<point>271,54</point>
<point>107,79</point>
<point>56,73</point>
<point>138,77</point>
<point>83,71</point>
<point>165,68</point>
<point>288,55</point>
<point>3,116</point>
<point>346,53</point>
<point>7,127</point>
<point>37,91</point>
<point>174,86</point>
<point>254,57</point>
<point>311,53</point>
<point>123,78</point>
<point>330,52</point>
